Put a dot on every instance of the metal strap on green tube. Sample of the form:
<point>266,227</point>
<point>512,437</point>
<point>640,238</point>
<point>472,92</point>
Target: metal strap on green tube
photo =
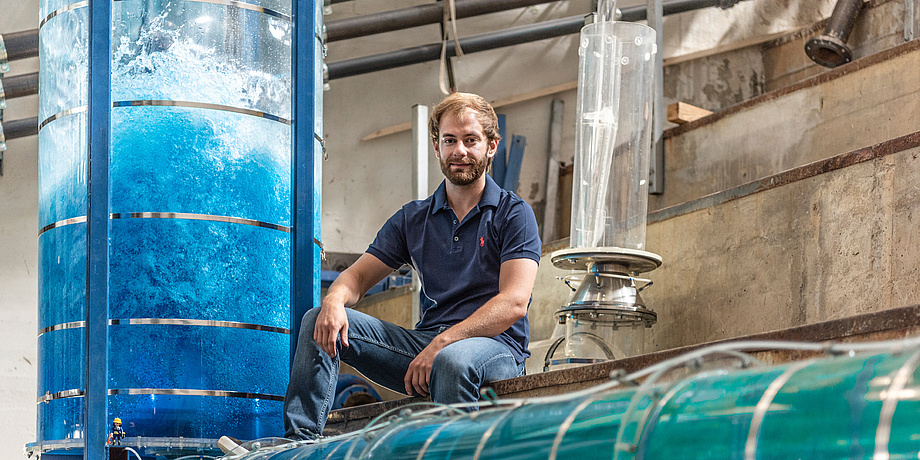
<point>892,396</point>
<point>760,410</point>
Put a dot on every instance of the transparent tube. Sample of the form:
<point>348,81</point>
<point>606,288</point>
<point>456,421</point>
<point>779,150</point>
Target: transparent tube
<point>612,140</point>
<point>201,97</point>
<point>861,406</point>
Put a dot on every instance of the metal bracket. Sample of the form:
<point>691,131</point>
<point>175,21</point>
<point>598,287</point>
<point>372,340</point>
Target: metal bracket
<point>322,251</point>
<point>322,41</point>
<point>2,146</point>
<point>4,59</point>
<point>322,144</point>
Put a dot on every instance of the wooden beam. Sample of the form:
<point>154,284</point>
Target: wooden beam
<point>681,112</point>
<point>514,99</point>
<point>388,130</point>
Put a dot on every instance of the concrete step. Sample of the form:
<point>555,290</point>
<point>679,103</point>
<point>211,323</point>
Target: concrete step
<point>886,325</point>
<point>868,101</point>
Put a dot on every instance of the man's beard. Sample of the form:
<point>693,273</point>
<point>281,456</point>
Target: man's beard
<point>468,176</point>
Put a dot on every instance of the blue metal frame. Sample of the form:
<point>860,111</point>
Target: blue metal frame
<point>97,230</point>
<point>304,261</point>
<point>515,160</point>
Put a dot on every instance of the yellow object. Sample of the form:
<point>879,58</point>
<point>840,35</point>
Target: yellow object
<point>117,420</point>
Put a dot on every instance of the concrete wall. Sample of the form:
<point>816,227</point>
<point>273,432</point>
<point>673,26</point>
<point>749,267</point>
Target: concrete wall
<point>18,256</point>
<point>830,246</point>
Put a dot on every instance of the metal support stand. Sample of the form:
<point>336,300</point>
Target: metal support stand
<point>656,155</point>
<point>420,143</point>
<point>307,165</point>
<point>97,231</point>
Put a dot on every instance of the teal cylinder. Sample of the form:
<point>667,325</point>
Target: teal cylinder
<point>201,202</point>
<point>854,407</point>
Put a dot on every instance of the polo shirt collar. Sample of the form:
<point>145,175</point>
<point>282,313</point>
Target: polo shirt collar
<point>490,195</point>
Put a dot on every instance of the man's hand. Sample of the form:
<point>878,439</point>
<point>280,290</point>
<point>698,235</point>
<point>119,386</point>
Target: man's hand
<point>419,373</point>
<point>331,323</point>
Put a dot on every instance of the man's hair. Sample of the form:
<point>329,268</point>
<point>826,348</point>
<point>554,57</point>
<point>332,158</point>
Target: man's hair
<point>454,105</point>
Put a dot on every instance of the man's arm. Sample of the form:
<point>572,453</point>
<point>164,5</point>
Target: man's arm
<point>515,284</point>
<point>347,289</point>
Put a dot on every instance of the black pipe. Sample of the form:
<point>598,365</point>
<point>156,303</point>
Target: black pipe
<point>415,16</point>
<point>15,129</point>
<point>640,13</point>
<point>20,85</point>
<point>493,40</point>
<point>21,45</point>
<point>431,52</point>
<point>830,49</point>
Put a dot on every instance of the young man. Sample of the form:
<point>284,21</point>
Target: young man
<point>475,248</point>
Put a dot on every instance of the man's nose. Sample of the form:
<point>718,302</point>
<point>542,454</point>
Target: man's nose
<point>461,150</point>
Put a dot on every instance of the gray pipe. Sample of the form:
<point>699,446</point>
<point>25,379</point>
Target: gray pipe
<point>15,129</point>
<point>20,85</point>
<point>21,45</point>
<point>830,49</point>
<point>640,13</point>
<point>415,16</point>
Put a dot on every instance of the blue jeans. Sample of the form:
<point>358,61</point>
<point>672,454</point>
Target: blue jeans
<point>382,352</point>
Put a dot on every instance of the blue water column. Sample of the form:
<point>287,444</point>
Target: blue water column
<point>178,214</point>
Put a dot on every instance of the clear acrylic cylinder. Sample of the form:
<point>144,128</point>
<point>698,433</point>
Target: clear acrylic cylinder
<point>613,135</point>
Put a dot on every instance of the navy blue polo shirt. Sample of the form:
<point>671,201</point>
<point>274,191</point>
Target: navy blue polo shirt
<point>459,262</point>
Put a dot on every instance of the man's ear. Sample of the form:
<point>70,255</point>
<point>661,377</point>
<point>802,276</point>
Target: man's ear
<point>437,151</point>
<point>493,148</point>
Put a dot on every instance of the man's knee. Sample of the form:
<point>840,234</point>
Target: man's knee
<point>308,324</point>
<point>454,360</point>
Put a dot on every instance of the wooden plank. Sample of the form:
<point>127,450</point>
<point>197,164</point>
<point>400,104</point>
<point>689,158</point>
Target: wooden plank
<point>681,112</point>
<point>388,130</point>
<point>534,94</point>
<point>514,99</point>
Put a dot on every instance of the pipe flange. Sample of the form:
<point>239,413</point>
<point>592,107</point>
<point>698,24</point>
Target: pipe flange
<point>633,260</point>
<point>828,51</point>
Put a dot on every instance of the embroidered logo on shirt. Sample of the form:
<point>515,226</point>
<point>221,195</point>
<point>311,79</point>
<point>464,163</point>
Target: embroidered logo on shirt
<point>482,242</point>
